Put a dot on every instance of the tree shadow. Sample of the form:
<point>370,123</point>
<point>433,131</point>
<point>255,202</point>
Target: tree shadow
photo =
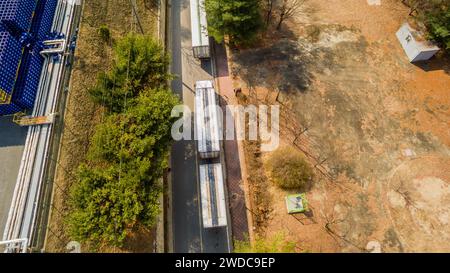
<point>221,58</point>
<point>306,218</point>
<point>206,65</point>
<point>278,64</point>
<point>185,33</point>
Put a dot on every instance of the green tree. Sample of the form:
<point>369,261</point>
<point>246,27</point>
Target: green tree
<point>435,14</point>
<point>120,187</point>
<point>108,203</point>
<point>139,63</point>
<point>288,169</point>
<point>240,20</point>
<point>439,27</point>
<point>142,131</point>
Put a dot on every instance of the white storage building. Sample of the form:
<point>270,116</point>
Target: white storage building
<point>414,45</point>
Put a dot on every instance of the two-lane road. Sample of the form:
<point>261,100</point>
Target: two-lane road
<point>188,233</point>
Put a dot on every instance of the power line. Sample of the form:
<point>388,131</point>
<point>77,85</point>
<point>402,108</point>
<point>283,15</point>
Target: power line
<point>133,7</point>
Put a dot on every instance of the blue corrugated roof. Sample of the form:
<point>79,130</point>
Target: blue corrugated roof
<point>21,67</point>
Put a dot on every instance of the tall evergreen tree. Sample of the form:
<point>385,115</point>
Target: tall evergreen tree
<point>119,189</point>
<point>240,20</point>
<point>139,62</point>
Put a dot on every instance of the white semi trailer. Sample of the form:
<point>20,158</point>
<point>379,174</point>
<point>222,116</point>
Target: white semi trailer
<point>207,124</point>
<point>200,39</point>
<point>214,213</point>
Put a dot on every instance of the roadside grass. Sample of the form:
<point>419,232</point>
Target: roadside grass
<point>93,55</point>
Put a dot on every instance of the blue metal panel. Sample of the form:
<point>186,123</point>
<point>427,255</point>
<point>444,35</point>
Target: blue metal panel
<point>28,83</point>
<point>21,68</point>
<point>9,109</point>
<point>46,14</point>
<point>10,55</point>
<point>18,11</point>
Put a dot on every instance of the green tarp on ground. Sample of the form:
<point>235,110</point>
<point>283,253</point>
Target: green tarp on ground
<point>296,203</point>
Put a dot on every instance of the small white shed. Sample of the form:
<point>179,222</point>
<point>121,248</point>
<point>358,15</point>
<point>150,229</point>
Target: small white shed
<point>415,46</point>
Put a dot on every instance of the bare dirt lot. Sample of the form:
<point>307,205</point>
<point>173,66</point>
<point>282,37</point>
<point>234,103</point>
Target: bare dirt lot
<point>93,55</point>
<point>376,127</point>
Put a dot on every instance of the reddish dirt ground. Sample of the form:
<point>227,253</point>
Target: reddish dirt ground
<point>372,118</point>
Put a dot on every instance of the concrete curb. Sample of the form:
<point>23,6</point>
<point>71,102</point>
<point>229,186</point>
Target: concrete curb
<point>167,188</point>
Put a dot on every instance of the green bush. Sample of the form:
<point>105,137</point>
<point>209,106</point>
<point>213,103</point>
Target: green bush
<point>288,169</point>
<point>142,131</point>
<point>105,33</point>
<point>439,27</point>
<point>240,20</point>
<point>276,244</point>
<point>435,14</point>
<point>109,202</point>
<point>140,63</point>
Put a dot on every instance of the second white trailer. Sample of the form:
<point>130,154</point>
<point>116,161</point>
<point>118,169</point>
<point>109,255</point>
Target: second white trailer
<point>207,123</point>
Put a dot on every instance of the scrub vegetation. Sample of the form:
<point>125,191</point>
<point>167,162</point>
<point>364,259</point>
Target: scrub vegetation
<point>140,63</point>
<point>276,244</point>
<point>118,187</point>
<point>435,14</point>
<point>289,169</point>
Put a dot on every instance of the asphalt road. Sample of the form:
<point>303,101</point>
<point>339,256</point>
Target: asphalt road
<point>12,141</point>
<point>188,234</point>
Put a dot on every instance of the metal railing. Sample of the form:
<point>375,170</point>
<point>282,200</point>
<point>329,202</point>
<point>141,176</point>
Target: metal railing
<point>15,246</point>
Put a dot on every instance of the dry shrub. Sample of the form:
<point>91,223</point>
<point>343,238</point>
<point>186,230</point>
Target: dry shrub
<point>289,169</point>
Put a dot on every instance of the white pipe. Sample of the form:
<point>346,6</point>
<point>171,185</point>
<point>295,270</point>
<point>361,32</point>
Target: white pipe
<point>23,210</point>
